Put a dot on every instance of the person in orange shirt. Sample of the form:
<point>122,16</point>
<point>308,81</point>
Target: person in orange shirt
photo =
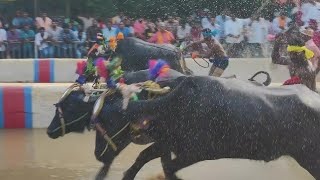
<point>162,36</point>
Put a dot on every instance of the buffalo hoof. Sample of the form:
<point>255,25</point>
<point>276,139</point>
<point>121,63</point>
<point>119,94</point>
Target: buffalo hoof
<point>189,72</point>
<point>102,174</point>
<point>128,176</point>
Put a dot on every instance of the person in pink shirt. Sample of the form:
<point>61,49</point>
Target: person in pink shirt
<point>139,28</point>
<point>162,36</point>
<point>43,21</point>
<point>307,34</point>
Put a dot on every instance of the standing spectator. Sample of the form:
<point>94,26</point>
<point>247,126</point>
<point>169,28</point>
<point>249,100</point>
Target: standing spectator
<point>139,28</point>
<point>41,40</point>
<point>14,44</point>
<point>109,31</point>
<point>221,20</point>
<point>4,22</point>
<point>258,31</point>
<point>150,30</point>
<point>183,31</point>
<point>196,31</point>
<point>68,41</point>
<point>310,10</point>
<point>129,24</point>
<point>81,47</point>
<point>124,30</point>
<point>87,21</point>
<point>101,24</point>
<point>162,36</point>
<point>27,36</point>
<point>74,26</point>
<point>280,23</point>
<point>17,20</point>
<point>54,33</point>
<point>3,39</point>
<point>234,37</point>
<point>307,34</point>
<point>43,21</point>
<point>117,19</point>
<point>26,20</point>
<point>316,35</point>
<point>172,25</point>
<point>92,32</point>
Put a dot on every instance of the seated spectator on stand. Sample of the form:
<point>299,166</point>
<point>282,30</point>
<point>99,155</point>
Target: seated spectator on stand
<point>124,30</point>
<point>234,36</point>
<point>139,28</point>
<point>316,35</point>
<point>27,35</point>
<point>43,21</point>
<point>81,47</point>
<point>17,20</point>
<point>3,40</point>
<point>87,21</point>
<point>68,41</point>
<point>162,36</point>
<point>150,30</point>
<point>92,33</point>
<point>14,43</point>
<point>54,34</point>
<point>26,20</point>
<point>109,31</point>
<point>41,40</point>
<point>280,23</point>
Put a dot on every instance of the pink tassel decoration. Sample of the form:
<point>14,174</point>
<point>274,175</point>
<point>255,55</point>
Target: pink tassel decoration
<point>81,65</point>
<point>101,68</point>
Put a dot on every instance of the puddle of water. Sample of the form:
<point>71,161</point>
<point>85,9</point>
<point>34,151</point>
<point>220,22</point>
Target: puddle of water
<point>30,154</point>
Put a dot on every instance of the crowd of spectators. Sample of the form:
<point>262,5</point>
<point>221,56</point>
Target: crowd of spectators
<point>47,37</point>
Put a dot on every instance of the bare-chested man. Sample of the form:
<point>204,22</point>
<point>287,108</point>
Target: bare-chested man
<point>215,53</point>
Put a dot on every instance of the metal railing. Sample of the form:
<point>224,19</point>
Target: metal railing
<point>57,49</point>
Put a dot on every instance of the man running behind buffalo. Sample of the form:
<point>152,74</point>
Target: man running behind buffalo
<point>216,54</point>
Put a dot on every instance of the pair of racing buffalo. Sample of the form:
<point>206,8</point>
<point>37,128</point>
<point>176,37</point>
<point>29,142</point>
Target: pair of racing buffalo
<point>201,118</point>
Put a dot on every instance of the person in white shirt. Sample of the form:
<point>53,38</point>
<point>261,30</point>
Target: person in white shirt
<point>87,21</point>
<point>3,39</point>
<point>280,23</point>
<point>257,36</point>
<point>109,31</point>
<point>41,41</point>
<point>234,36</point>
<point>310,10</point>
<point>183,31</point>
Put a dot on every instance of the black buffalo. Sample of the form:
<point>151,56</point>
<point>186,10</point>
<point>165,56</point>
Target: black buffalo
<point>76,116</point>
<point>136,54</point>
<point>212,118</point>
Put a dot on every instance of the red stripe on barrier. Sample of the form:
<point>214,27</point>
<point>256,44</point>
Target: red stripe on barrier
<point>44,71</point>
<point>13,107</point>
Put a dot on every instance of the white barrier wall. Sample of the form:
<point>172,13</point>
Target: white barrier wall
<point>31,105</point>
<point>63,70</point>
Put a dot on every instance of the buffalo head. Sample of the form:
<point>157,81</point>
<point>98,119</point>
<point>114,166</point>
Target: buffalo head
<point>72,113</point>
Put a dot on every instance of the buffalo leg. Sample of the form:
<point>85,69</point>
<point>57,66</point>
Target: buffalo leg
<point>152,152</point>
<point>103,172</point>
<point>312,166</point>
<point>166,165</point>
